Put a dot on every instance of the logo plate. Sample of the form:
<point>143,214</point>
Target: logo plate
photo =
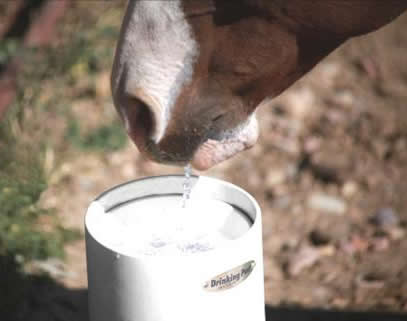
<point>231,278</point>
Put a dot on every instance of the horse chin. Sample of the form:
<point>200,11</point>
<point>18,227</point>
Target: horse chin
<point>213,152</point>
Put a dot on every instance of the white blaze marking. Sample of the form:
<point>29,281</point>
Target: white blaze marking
<point>157,52</point>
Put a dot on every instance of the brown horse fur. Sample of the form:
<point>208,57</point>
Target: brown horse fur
<point>227,57</point>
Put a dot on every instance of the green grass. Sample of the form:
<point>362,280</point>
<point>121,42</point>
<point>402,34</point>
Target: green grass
<point>50,81</point>
<point>105,138</point>
<point>22,181</point>
<point>8,49</point>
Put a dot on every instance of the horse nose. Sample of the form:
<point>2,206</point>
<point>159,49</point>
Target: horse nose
<point>142,115</point>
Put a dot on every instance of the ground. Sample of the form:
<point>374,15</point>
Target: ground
<point>328,171</point>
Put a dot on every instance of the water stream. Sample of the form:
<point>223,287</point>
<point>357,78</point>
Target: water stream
<point>186,185</point>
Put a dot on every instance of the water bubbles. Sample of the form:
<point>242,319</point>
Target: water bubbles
<point>157,243</point>
<point>195,247</point>
<point>187,185</point>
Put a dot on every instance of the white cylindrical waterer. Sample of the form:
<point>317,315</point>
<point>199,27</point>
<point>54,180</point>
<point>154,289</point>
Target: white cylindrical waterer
<point>149,259</point>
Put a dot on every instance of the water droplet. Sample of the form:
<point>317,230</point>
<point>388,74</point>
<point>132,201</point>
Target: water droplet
<point>117,256</point>
<point>186,185</point>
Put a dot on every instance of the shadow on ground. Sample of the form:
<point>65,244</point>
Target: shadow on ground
<point>39,298</point>
<point>300,314</point>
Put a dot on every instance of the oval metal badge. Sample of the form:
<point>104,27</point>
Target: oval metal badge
<point>231,278</point>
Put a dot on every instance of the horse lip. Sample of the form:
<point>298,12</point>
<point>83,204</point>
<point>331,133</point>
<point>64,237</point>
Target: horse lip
<point>154,153</point>
<point>209,151</point>
<point>213,151</point>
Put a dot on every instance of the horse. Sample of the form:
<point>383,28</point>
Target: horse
<point>188,75</point>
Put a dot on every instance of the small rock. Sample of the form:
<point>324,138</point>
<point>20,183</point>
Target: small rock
<point>319,238</point>
<point>380,244</point>
<point>370,280</point>
<point>327,250</point>
<point>282,202</point>
<point>312,144</point>
<point>327,204</point>
<point>331,276</point>
<point>54,267</point>
<point>340,303</point>
<point>292,171</point>
<point>304,258</point>
<point>329,71</point>
<point>344,97</point>
<point>335,116</point>
<point>356,244</point>
<point>385,218</point>
<point>349,189</point>
<point>330,166</point>
<point>300,101</point>
<point>396,233</point>
<point>289,244</point>
<point>321,294</point>
<point>275,177</point>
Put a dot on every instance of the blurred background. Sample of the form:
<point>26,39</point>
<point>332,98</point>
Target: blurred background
<point>329,170</point>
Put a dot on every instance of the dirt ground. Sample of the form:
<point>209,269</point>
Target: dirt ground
<point>328,171</point>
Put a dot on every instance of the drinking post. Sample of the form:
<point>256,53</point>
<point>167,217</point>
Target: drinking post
<point>153,255</point>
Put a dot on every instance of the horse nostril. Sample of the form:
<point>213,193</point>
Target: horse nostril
<point>143,119</point>
<point>144,115</point>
